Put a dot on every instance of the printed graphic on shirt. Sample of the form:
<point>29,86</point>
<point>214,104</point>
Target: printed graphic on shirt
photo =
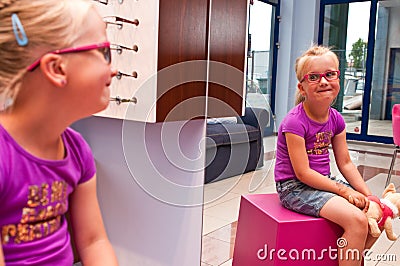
<point>321,144</point>
<point>42,215</point>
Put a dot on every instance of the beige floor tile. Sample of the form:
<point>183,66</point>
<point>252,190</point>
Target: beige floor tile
<point>210,224</point>
<point>386,264</point>
<point>382,245</point>
<point>227,263</point>
<point>226,233</point>
<point>393,254</point>
<point>266,189</point>
<point>213,197</point>
<point>234,184</point>
<point>370,263</point>
<point>227,184</point>
<point>263,178</point>
<point>228,210</point>
<point>216,251</point>
<point>378,161</point>
<point>377,183</point>
<point>370,148</point>
<point>251,181</point>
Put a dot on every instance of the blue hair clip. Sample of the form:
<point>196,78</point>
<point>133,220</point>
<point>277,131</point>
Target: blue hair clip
<point>19,31</point>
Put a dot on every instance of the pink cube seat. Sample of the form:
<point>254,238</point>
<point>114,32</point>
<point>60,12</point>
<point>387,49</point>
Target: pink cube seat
<point>269,234</point>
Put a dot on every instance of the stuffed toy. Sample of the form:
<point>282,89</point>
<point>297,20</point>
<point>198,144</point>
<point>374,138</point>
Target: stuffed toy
<point>381,212</point>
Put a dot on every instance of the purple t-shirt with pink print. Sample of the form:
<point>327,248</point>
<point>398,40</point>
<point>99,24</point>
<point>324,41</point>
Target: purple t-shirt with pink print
<point>34,198</point>
<point>317,138</point>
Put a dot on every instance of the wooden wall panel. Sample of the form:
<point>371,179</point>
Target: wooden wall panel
<point>228,45</point>
<point>182,39</point>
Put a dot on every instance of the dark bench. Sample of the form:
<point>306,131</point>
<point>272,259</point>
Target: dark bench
<point>235,148</point>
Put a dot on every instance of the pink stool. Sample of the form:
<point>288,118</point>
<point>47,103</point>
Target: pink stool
<point>269,234</point>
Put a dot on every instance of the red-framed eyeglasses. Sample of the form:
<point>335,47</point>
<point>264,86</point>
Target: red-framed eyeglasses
<point>103,48</point>
<point>316,77</point>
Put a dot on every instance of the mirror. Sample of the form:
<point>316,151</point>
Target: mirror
<point>226,185</point>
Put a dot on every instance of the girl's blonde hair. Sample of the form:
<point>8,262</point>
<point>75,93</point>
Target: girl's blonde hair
<point>48,24</point>
<point>303,60</point>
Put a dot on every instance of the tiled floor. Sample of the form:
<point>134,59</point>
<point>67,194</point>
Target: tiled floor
<point>222,200</point>
<point>375,127</point>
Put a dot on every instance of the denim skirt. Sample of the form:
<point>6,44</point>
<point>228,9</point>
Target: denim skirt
<point>299,197</point>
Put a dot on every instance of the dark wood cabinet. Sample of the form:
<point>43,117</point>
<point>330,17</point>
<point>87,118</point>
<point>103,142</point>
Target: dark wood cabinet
<point>190,56</point>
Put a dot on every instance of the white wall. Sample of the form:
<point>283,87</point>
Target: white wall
<point>150,188</point>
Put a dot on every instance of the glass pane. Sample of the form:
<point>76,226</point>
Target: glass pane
<point>225,190</point>
<point>346,30</point>
<point>260,56</point>
<point>385,88</point>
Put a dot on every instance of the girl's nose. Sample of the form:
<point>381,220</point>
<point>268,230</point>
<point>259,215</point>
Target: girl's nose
<point>323,80</point>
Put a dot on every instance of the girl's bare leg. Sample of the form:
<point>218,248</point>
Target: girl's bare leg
<point>355,225</point>
<point>370,241</point>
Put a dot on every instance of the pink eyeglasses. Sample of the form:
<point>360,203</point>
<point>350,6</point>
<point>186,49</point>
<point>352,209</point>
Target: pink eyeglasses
<point>103,48</point>
<point>316,77</point>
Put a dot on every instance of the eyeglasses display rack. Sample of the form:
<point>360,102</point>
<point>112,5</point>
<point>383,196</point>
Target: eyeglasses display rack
<point>175,57</point>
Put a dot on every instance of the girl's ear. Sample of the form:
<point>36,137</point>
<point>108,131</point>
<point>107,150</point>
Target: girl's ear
<point>53,68</point>
<point>301,89</point>
<point>389,189</point>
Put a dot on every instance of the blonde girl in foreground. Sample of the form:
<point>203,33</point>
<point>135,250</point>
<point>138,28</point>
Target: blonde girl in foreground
<point>55,69</point>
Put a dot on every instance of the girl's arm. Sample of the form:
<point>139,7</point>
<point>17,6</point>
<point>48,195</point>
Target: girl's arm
<point>346,166</point>
<point>90,236</point>
<point>299,159</point>
<point>2,263</point>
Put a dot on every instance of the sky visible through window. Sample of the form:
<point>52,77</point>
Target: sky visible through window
<point>260,24</point>
<point>358,22</point>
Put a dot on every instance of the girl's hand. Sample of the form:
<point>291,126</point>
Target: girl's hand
<point>359,200</point>
<point>354,197</point>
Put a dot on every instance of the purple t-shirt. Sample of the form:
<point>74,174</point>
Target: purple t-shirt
<point>34,198</point>
<point>317,138</point>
